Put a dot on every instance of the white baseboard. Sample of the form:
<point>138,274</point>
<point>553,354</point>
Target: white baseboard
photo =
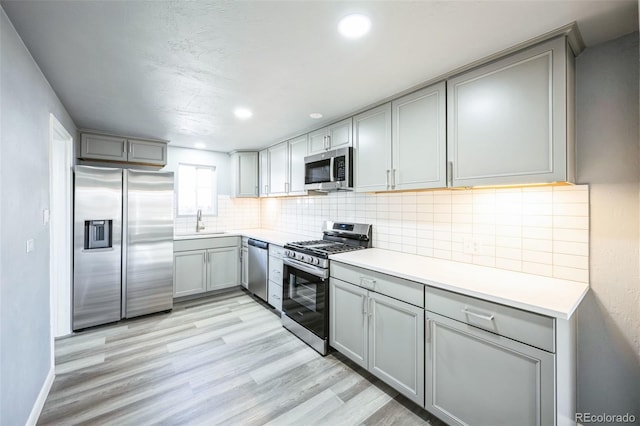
<point>42,398</point>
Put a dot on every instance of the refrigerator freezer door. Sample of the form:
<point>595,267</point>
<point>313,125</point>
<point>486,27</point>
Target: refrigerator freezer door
<point>96,271</point>
<point>148,243</point>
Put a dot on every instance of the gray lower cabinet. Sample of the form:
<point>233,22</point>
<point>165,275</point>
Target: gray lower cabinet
<point>189,273</point>
<point>379,333</point>
<point>205,264</point>
<point>244,260</point>
<point>274,290</point>
<point>222,268</point>
<point>479,378</point>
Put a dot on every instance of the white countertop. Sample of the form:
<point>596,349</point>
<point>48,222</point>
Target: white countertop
<point>267,235</point>
<point>547,296</point>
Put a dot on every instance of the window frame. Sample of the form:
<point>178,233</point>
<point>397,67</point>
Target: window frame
<point>214,189</point>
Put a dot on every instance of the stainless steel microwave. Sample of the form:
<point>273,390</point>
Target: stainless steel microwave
<point>329,171</point>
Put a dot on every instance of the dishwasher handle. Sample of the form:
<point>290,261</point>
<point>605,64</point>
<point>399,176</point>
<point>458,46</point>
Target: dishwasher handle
<point>258,243</point>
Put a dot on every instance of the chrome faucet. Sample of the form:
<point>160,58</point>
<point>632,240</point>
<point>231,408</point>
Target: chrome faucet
<point>199,222</point>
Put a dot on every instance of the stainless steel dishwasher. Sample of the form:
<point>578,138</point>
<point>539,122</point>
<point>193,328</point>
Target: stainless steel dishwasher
<point>258,268</point>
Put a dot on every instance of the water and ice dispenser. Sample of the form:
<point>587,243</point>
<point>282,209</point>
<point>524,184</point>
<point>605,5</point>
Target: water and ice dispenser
<point>98,234</point>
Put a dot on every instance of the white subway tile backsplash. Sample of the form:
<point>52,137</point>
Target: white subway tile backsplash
<point>539,230</point>
<point>568,247</point>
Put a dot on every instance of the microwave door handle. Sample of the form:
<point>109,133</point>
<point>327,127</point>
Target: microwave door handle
<point>332,178</point>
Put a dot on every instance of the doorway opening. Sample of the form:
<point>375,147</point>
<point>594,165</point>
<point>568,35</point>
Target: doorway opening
<point>60,227</point>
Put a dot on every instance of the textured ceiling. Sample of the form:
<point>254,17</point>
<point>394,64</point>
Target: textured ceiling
<point>176,69</point>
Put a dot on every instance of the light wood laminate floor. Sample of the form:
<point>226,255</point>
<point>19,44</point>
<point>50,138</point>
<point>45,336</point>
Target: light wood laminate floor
<point>224,359</point>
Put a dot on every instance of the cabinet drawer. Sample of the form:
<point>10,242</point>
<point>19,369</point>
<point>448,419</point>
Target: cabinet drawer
<point>398,288</point>
<point>204,243</point>
<point>275,269</point>
<point>275,295</point>
<point>527,327</point>
<point>276,251</point>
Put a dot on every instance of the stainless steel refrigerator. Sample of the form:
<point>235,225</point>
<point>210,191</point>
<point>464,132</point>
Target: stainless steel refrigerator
<point>123,244</point>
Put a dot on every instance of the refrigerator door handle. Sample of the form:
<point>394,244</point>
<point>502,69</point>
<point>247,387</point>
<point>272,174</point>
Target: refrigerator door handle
<point>125,242</point>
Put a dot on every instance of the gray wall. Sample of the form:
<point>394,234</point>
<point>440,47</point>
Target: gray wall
<point>26,101</point>
<point>609,160</point>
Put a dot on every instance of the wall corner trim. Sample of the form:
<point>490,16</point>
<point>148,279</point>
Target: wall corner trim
<point>42,398</point>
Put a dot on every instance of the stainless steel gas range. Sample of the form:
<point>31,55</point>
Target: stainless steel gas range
<point>305,302</point>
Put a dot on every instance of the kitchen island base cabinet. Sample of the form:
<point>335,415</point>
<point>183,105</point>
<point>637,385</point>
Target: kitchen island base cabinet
<point>381,334</point>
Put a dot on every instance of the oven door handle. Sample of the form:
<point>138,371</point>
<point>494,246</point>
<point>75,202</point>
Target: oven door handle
<point>318,272</point>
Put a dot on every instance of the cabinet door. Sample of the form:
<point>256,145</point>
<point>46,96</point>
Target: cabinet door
<point>263,157</point>
<point>318,141</point>
<point>189,273</point>
<point>100,147</point>
<point>147,152</point>
<point>348,320</point>
<point>396,345</point>
<point>222,268</point>
<point>245,267</point>
<point>340,134</point>
<point>274,297</point>
<point>278,170</point>
<point>420,139</point>
<point>372,149</point>
<point>298,149</point>
<point>507,121</point>
<point>477,377</point>
<point>247,175</point>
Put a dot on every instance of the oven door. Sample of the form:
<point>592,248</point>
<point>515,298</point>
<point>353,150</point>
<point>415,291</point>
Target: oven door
<point>305,296</point>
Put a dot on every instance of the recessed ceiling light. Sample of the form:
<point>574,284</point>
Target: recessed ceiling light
<point>199,145</point>
<point>243,113</point>
<point>354,26</point>
<point>315,115</point>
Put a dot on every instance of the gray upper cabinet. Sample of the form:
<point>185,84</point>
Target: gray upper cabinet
<point>335,136</point>
<point>413,156</point>
<point>244,167</point>
<point>372,149</point>
<point>121,149</point>
<point>278,158</point>
<point>282,168</point>
<point>263,159</point>
<point>147,152</point>
<point>511,122</point>
<point>102,147</point>
<point>420,139</point>
<point>298,149</point>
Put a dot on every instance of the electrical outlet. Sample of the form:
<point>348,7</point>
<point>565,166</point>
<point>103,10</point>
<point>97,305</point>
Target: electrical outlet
<point>30,245</point>
<point>472,245</point>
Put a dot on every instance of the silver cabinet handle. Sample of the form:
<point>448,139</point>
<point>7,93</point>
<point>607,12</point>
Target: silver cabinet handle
<point>393,178</point>
<point>368,283</point>
<point>370,307</point>
<point>450,173</point>
<point>427,331</point>
<point>481,316</point>
<point>286,187</point>
<point>257,190</point>
<point>387,181</point>
<point>364,305</point>
<point>328,141</point>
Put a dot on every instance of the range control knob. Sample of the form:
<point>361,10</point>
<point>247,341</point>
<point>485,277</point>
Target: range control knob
<point>316,261</point>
